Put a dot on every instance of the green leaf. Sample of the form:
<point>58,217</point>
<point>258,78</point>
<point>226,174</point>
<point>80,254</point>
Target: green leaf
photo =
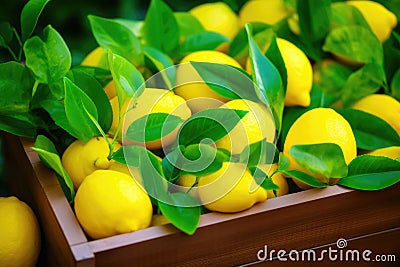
<point>134,25</point>
<point>152,127</point>
<point>395,85</point>
<point>96,93</point>
<point>128,80</point>
<point>225,80</point>
<point>163,64</point>
<point>314,17</point>
<point>211,124</point>
<point>261,152</point>
<point>369,172</point>
<point>356,43</point>
<point>15,88</point>
<point>268,80</point>
<point>49,156</point>
<point>188,24</point>
<point>365,81</point>
<point>183,211</point>
<point>30,15</point>
<point>76,101</point>
<point>160,29</point>
<point>305,178</point>
<point>128,155</point>
<point>202,41</point>
<point>343,14</point>
<point>49,60</point>
<point>370,131</point>
<point>262,179</point>
<point>200,160</point>
<point>19,124</point>
<point>326,159</point>
<point>56,110</point>
<point>116,36</point>
<point>6,34</point>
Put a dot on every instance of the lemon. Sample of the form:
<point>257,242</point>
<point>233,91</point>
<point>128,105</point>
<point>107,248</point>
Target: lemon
<point>320,125</point>
<point>217,17</point>
<point>299,74</point>
<point>256,125</point>
<point>381,20</point>
<point>96,58</point>
<point>159,219</point>
<point>277,178</point>
<point>392,152</point>
<point>230,189</point>
<point>383,106</point>
<point>19,234</point>
<point>266,11</point>
<point>188,184</point>
<point>109,203</point>
<point>152,100</point>
<point>191,86</point>
<point>80,160</point>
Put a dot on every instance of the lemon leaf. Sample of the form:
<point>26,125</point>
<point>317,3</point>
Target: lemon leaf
<point>202,41</point>
<point>49,156</point>
<point>261,152</point>
<point>163,64</point>
<point>370,131</point>
<point>128,155</point>
<point>21,124</point>
<point>30,15</point>
<point>212,124</point>
<point>188,24</point>
<point>313,19</point>
<point>182,210</point>
<point>76,101</point>
<point>395,85</point>
<point>343,14</point>
<point>160,29</point>
<point>152,127</point>
<point>262,179</point>
<point>116,36</point>
<point>326,159</point>
<point>304,177</point>
<point>369,172</point>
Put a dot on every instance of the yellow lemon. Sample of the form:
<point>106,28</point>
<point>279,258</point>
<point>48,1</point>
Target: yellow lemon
<point>267,11</point>
<point>192,87</point>
<point>277,178</point>
<point>256,125</point>
<point>299,74</point>
<point>392,152</point>
<point>381,20</point>
<point>152,100</point>
<point>159,219</point>
<point>96,58</point>
<point>188,182</point>
<point>383,106</point>
<point>230,189</point>
<point>320,125</point>
<point>80,160</point>
<point>19,234</point>
<point>217,17</point>
<point>109,203</point>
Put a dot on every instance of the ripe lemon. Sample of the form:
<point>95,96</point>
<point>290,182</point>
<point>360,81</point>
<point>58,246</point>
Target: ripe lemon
<point>96,58</point>
<point>188,182</point>
<point>277,178</point>
<point>381,20</point>
<point>392,152</point>
<point>230,189</point>
<point>80,160</point>
<point>383,106</point>
<point>191,86</point>
<point>152,100</point>
<point>109,203</point>
<point>299,74</point>
<point>19,234</point>
<point>267,11</point>
<point>256,125</point>
<point>320,125</point>
<point>217,17</point>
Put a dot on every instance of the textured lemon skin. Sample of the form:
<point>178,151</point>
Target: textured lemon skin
<point>320,125</point>
<point>19,234</point>
<point>392,152</point>
<point>267,11</point>
<point>109,203</point>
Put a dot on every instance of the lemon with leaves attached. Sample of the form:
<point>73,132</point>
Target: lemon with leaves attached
<point>379,18</point>
<point>320,125</point>
<point>19,234</point>
<point>266,11</point>
<point>109,203</point>
<point>192,87</point>
<point>230,189</point>
<point>256,125</point>
<point>81,159</point>
<point>383,106</point>
<point>152,100</point>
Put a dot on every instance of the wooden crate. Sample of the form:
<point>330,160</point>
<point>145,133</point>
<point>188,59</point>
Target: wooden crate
<point>310,219</point>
